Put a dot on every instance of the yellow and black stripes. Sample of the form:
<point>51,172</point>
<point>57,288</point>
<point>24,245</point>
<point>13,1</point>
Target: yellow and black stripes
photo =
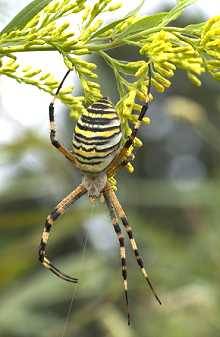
<point>121,214</point>
<point>97,137</point>
<point>139,259</point>
<point>51,218</point>
<point>121,240</point>
<point>137,125</point>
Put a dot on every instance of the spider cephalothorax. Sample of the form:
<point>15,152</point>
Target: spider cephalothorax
<point>94,184</point>
<point>98,154</point>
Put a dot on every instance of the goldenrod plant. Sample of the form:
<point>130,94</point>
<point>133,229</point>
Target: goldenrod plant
<point>49,26</point>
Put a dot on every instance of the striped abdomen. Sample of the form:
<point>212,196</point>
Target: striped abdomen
<point>97,136</point>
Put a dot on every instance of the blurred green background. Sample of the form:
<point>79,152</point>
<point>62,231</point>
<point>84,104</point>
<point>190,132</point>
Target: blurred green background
<point>172,201</point>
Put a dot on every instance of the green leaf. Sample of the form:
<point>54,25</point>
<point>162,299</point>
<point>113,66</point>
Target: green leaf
<point>115,23</point>
<point>107,27</point>
<point>25,15</point>
<point>135,10</point>
<point>174,13</point>
<point>144,24</point>
<point>157,20</point>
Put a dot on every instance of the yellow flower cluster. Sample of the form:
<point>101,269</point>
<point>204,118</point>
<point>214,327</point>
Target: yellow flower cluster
<point>85,36</point>
<point>168,51</point>
<point>125,108</point>
<point>91,12</point>
<point>44,81</point>
<point>85,70</point>
<point>210,44</point>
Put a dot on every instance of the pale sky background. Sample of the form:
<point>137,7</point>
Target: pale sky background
<point>26,105</point>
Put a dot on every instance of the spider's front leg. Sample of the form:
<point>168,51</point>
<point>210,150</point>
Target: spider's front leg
<point>53,138</point>
<point>122,158</point>
<point>54,215</point>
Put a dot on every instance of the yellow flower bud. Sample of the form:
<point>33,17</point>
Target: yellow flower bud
<point>169,65</point>
<point>195,80</point>
<point>216,75</point>
<point>214,63</point>
<point>141,95</point>
<point>82,51</point>
<point>93,84</point>
<point>163,70</point>
<point>64,26</point>
<point>115,6</point>
<point>159,78</point>
<point>33,73</point>
<point>142,70</point>
<point>137,142</point>
<point>158,86</point>
<point>67,90</point>
<point>130,167</point>
<point>86,13</point>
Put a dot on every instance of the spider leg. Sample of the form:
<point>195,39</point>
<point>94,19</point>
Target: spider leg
<point>119,160</point>
<point>59,210</point>
<point>121,214</point>
<point>53,138</point>
<point>121,240</point>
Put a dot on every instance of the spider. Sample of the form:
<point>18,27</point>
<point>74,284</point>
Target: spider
<point>98,154</point>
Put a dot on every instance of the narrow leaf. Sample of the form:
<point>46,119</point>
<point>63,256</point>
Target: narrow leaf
<point>115,23</point>
<point>175,12</point>
<point>157,20</point>
<point>25,15</point>
<point>144,24</point>
<point>135,10</point>
<point>107,27</point>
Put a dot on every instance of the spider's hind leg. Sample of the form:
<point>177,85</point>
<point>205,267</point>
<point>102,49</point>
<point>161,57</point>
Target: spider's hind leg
<point>121,214</point>
<point>121,240</point>
<point>53,216</point>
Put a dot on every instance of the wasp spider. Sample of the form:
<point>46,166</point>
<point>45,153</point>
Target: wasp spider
<point>98,154</point>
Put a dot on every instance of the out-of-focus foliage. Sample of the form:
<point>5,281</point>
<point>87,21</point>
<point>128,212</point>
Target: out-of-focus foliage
<point>172,202</point>
<point>44,26</point>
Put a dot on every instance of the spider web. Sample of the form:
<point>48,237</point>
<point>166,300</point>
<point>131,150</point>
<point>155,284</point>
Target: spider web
<point>75,290</point>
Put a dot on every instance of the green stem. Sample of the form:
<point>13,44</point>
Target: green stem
<point>186,39</point>
<point>120,81</point>
<point>91,48</point>
<point>118,42</point>
<point>21,49</point>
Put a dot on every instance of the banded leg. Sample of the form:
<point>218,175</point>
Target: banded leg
<point>53,139</point>
<point>121,214</point>
<point>53,216</point>
<point>119,161</point>
<point>121,240</point>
